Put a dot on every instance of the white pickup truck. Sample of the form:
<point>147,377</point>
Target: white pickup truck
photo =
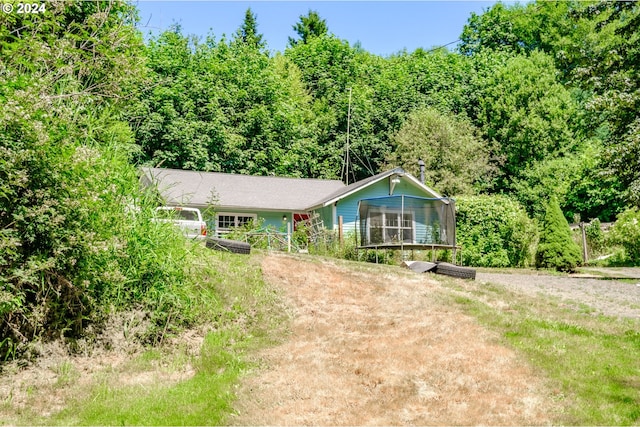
<point>189,220</point>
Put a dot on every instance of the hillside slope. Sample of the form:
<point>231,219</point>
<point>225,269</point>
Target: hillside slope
<point>378,345</point>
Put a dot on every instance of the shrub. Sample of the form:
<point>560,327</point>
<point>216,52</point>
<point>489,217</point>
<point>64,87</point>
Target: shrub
<point>494,231</point>
<point>595,236</point>
<point>556,249</point>
<point>77,240</point>
<point>626,233</point>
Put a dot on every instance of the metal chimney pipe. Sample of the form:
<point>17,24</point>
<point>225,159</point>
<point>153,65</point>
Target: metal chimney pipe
<point>421,164</point>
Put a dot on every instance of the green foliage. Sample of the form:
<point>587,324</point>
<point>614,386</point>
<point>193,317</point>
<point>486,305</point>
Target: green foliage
<point>613,74</point>
<point>556,249</point>
<point>494,231</point>
<point>626,232</point>
<point>595,236</point>
<point>76,233</point>
<point>329,68</point>
<point>525,111</point>
<point>456,161</point>
<point>309,26</point>
<point>498,28</point>
<point>594,46</point>
<point>248,34</point>
<point>222,107</point>
<point>243,314</point>
<point>576,180</point>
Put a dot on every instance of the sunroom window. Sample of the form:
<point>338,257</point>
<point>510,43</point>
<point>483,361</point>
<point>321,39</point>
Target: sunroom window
<point>390,226</point>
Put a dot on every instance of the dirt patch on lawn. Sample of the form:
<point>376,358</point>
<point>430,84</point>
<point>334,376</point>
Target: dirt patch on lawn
<point>371,347</point>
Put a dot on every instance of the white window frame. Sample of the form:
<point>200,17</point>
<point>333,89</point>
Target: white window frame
<point>226,230</point>
<point>385,227</point>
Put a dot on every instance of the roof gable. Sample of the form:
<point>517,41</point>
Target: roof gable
<point>372,180</point>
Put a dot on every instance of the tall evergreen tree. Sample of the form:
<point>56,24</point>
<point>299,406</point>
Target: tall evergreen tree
<point>556,248</point>
<point>248,31</point>
<point>309,26</point>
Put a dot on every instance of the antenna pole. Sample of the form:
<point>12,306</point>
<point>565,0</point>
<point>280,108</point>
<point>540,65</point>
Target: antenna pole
<point>348,126</point>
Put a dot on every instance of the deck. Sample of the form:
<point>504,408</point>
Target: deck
<point>416,247</point>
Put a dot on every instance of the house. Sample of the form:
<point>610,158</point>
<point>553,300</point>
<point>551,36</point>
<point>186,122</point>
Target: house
<point>390,209</point>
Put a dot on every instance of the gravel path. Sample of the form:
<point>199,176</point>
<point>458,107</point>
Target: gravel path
<point>605,296</point>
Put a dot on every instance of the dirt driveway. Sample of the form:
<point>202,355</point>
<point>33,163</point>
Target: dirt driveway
<point>383,349</point>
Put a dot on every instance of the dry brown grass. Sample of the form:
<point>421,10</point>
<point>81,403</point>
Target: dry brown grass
<point>371,348</point>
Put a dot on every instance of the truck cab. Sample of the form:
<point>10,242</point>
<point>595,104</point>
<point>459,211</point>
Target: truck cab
<point>189,220</point>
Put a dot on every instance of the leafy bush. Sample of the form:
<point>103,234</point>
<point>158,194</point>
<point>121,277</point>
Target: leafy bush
<point>595,236</point>
<point>494,231</point>
<point>556,249</point>
<point>626,233</point>
<point>76,239</point>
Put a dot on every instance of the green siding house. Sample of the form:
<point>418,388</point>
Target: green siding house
<point>384,210</point>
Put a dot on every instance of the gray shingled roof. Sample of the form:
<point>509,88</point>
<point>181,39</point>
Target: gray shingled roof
<point>240,191</point>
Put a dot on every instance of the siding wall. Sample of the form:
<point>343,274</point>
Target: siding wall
<point>348,207</point>
<point>271,219</point>
<point>326,214</point>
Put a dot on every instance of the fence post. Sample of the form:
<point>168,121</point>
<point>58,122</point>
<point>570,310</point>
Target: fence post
<point>402,228</point>
<point>288,236</point>
<point>584,242</point>
<point>340,234</point>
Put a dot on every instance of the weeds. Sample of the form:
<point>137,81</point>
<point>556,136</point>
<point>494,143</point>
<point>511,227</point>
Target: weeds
<point>180,382</point>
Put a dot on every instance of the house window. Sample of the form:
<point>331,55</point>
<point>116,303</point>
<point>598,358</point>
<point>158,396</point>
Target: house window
<point>226,221</point>
<point>390,226</point>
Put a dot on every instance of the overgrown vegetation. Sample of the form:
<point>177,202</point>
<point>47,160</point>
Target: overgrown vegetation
<point>191,379</point>
<point>76,238</point>
<point>626,233</point>
<point>494,231</point>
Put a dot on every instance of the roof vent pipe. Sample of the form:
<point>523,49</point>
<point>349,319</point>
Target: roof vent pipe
<point>421,164</point>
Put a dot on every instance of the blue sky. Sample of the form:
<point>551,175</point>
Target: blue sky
<point>382,27</point>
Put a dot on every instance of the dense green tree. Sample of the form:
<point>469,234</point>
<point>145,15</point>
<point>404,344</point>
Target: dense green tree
<point>309,26</point>
<point>456,161</point>
<point>553,27</point>
<point>556,248</point>
<point>332,70</point>
<point>595,48</point>
<point>626,233</point>
<point>519,105</point>
<point>578,183</point>
<point>613,73</point>
<point>498,28</point>
<point>223,107</point>
<point>248,32</point>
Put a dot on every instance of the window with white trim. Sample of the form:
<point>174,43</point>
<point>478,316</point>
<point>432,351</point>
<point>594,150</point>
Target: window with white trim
<point>225,221</point>
<point>390,226</point>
